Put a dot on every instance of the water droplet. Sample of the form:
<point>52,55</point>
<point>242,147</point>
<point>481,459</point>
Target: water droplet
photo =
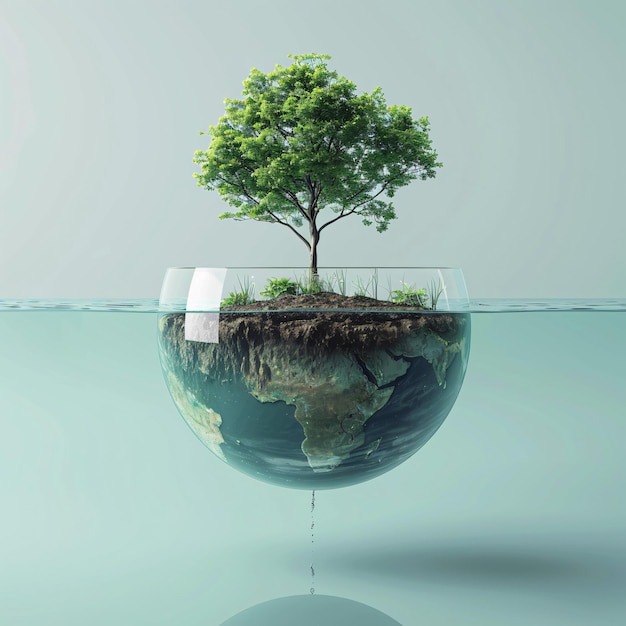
<point>312,590</point>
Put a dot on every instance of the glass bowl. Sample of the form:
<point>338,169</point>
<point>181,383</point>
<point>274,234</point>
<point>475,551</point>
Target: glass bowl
<point>314,380</point>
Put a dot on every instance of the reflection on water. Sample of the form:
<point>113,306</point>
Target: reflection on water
<point>311,611</point>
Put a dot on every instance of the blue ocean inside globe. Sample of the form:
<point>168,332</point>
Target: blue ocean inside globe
<point>310,399</point>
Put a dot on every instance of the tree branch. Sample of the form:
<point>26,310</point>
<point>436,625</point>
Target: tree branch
<point>312,197</point>
<point>355,195</point>
<point>335,219</point>
<point>355,208</point>
<point>384,186</point>
<point>240,185</point>
<point>283,132</point>
<point>290,227</point>
<point>291,196</point>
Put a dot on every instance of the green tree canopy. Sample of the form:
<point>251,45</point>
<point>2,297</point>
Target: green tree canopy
<point>303,142</point>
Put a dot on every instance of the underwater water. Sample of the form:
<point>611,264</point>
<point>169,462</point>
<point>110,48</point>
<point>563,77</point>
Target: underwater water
<point>114,513</point>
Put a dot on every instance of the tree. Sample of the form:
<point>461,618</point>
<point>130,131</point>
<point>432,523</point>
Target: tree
<point>302,142</point>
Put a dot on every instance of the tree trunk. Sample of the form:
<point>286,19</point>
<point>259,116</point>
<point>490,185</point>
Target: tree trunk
<point>314,239</point>
<point>314,233</point>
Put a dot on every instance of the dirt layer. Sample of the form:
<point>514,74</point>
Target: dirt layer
<point>351,322</point>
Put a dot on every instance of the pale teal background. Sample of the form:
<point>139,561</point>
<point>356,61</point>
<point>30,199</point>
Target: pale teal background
<point>101,103</point>
<point>113,513</point>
